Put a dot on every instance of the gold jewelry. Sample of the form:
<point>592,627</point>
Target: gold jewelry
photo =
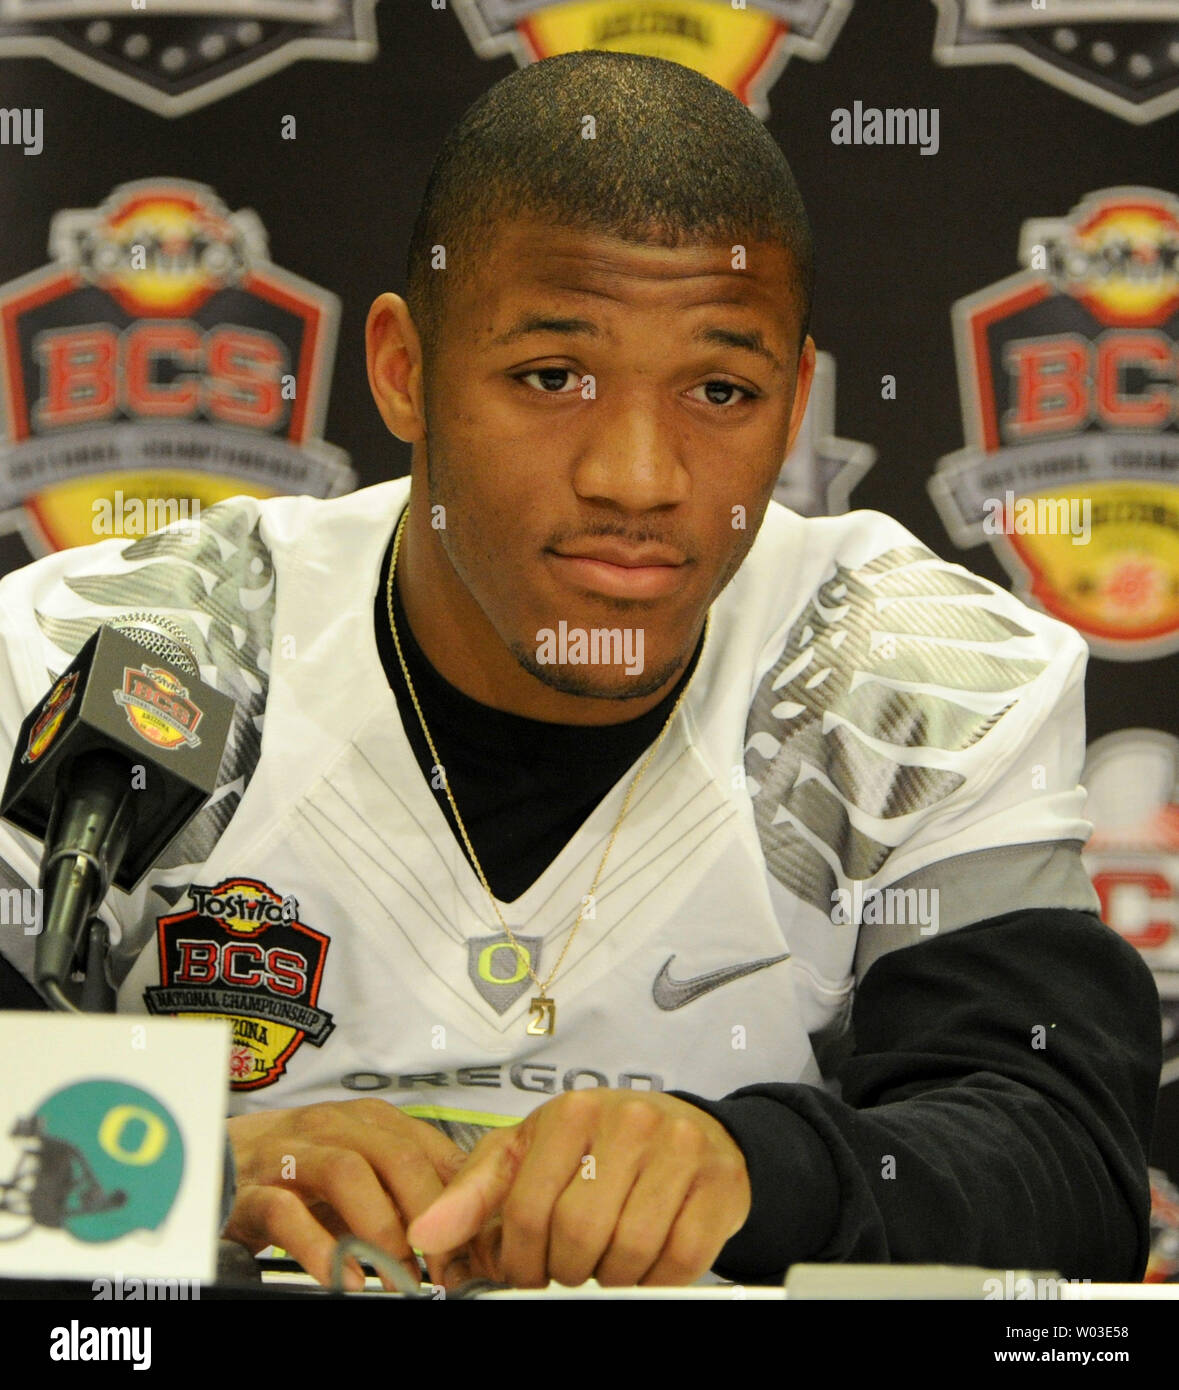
<point>543,1020</point>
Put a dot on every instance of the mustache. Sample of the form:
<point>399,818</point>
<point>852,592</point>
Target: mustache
<point>562,540</point>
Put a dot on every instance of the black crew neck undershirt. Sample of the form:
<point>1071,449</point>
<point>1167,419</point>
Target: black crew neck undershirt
<point>523,786</point>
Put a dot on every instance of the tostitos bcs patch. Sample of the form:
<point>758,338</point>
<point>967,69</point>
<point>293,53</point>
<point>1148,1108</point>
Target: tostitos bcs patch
<point>241,953</point>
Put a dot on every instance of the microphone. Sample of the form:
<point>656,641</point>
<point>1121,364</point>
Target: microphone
<point>112,764</point>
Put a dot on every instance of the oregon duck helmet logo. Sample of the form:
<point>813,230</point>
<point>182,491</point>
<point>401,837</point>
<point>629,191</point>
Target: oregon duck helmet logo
<point>100,1159</point>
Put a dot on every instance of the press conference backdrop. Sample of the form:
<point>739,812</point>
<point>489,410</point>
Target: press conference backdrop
<point>200,200</point>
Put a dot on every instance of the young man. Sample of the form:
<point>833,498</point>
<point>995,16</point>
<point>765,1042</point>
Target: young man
<point>711,874</point>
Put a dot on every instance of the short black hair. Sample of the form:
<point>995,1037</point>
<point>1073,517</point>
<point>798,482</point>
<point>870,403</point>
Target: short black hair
<point>677,159</point>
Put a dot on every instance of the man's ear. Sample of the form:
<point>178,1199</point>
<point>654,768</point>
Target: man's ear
<point>802,389</point>
<point>394,356</point>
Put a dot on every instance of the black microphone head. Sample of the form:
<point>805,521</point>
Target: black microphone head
<point>162,637</point>
<point>134,690</point>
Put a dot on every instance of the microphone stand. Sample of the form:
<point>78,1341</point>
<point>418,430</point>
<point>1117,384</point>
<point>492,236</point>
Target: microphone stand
<point>98,996</point>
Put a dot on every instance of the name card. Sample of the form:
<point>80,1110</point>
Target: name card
<point>112,1144</point>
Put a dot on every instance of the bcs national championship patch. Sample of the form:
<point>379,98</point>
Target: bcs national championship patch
<point>241,953</point>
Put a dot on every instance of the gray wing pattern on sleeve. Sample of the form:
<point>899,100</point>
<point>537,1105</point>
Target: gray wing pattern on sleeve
<point>903,651</point>
<point>219,586</point>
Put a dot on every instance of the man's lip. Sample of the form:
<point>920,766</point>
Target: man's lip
<point>617,581</point>
<point>626,556</point>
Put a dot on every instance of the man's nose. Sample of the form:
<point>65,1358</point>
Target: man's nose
<point>632,457</point>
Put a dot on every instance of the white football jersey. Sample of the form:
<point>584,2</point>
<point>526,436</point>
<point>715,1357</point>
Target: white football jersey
<point>876,746</point>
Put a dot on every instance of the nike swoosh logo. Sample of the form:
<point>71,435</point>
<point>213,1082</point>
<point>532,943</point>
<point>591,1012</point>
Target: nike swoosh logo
<point>674,994</point>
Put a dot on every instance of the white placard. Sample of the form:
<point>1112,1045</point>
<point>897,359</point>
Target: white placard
<point>112,1143</point>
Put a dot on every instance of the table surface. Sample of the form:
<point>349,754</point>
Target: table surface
<point>841,1279</point>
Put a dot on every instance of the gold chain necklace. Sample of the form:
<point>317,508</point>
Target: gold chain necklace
<point>543,1019</point>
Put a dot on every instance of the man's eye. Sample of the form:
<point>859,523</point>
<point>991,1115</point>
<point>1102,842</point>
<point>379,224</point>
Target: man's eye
<point>555,381</point>
<point>548,386</point>
<point>726,386</point>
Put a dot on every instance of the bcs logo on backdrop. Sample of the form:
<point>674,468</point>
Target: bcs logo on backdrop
<point>1120,55</point>
<point>741,47</point>
<point>1132,857</point>
<point>1069,375</point>
<point>160,354</point>
<point>173,56</point>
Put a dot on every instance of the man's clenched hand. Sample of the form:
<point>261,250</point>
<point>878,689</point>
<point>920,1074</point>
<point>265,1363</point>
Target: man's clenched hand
<point>622,1186</point>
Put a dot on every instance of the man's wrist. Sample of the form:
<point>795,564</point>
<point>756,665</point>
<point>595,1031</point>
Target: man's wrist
<point>795,1188</point>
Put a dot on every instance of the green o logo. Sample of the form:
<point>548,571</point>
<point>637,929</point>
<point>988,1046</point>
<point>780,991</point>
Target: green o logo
<point>520,956</point>
<point>153,1135</point>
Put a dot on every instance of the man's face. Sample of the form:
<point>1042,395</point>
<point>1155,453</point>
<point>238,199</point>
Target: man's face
<point>603,448</point>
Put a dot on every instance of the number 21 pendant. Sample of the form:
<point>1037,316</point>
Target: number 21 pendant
<point>544,1017</point>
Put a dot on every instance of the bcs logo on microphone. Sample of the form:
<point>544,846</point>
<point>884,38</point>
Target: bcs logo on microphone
<point>240,953</point>
<point>158,707</point>
<point>49,721</point>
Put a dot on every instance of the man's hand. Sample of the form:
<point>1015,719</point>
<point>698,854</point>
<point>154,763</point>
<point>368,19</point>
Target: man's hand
<point>626,1187</point>
<point>309,1175</point>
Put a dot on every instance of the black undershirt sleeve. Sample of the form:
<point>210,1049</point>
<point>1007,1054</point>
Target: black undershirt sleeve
<point>956,1139</point>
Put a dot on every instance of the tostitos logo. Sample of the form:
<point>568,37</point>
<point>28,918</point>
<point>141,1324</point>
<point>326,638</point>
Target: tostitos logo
<point>1122,262</point>
<point>163,252</point>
